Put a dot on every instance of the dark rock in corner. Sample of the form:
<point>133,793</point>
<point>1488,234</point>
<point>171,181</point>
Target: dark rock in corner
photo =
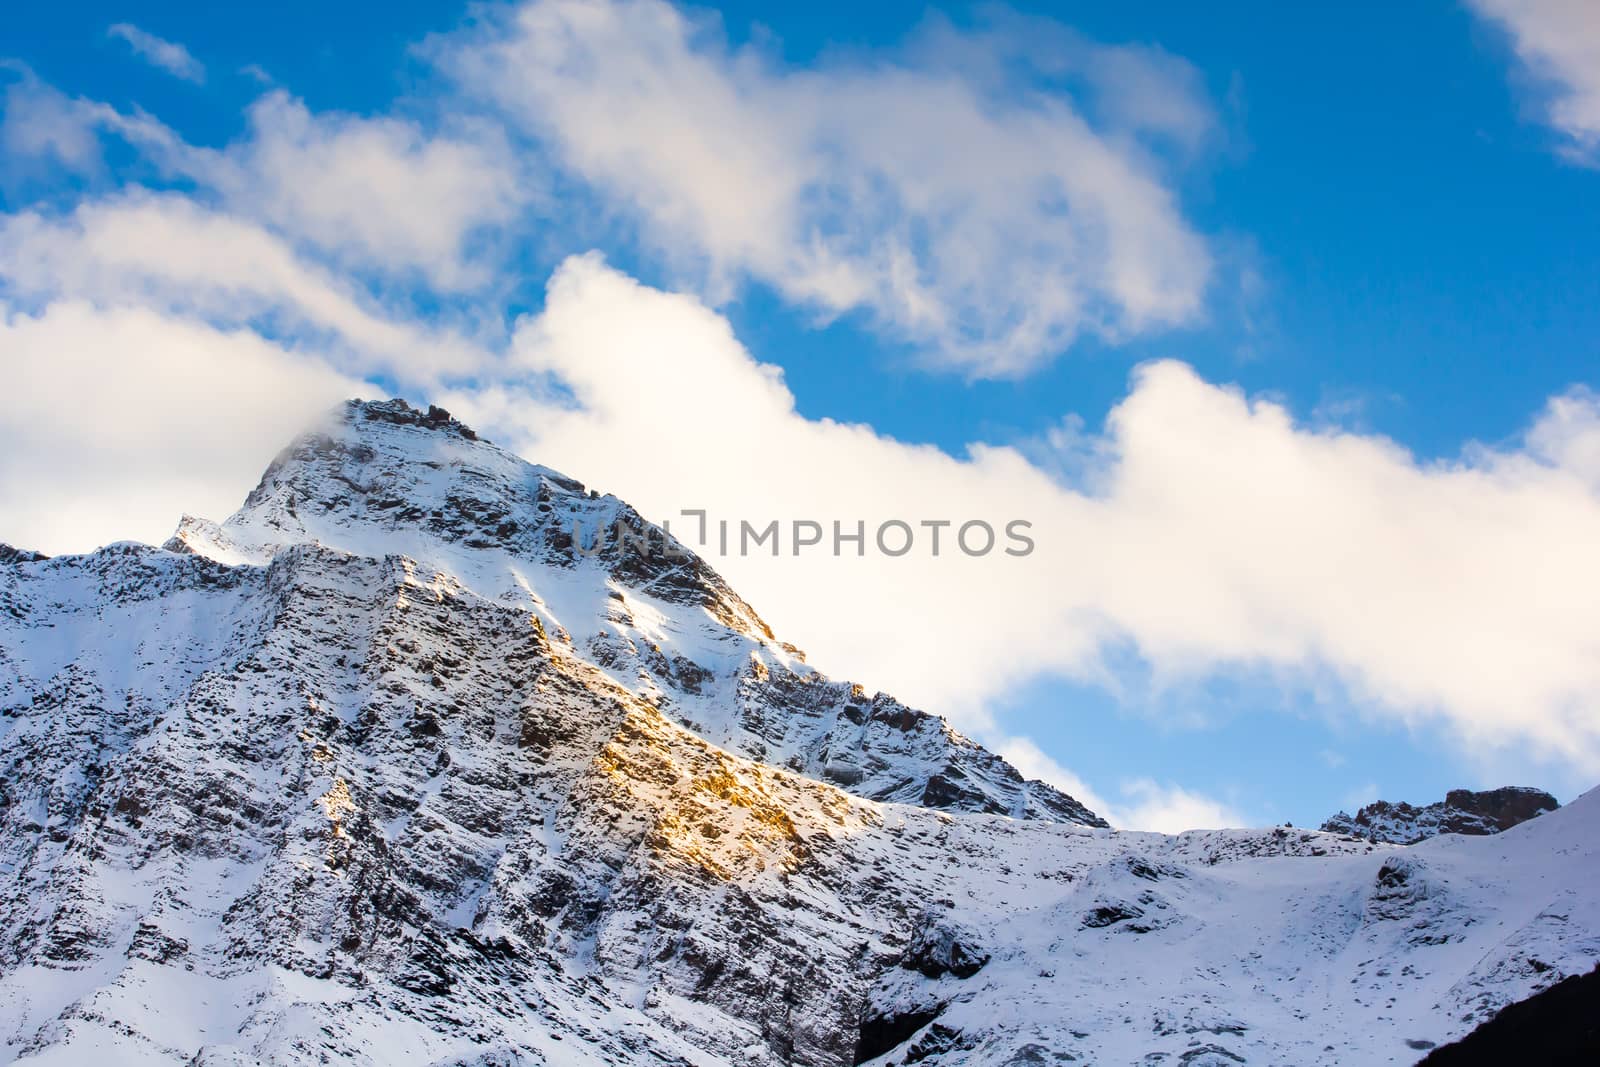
<point>1499,808</point>
<point>8,554</point>
<point>1558,1026</point>
<point>1461,812</point>
<point>883,1033</point>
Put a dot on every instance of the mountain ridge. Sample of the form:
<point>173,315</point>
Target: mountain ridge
<point>484,512</point>
<point>1462,811</point>
<point>327,781</point>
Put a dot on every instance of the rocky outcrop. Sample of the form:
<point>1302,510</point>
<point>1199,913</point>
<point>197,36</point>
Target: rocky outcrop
<point>1461,812</point>
<point>9,554</point>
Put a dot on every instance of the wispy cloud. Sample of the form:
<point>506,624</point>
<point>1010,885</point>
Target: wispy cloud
<point>167,252</point>
<point>170,56</point>
<point>378,194</point>
<point>987,195</point>
<point>1214,534</point>
<point>1169,809</point>
<point>40,125</point>
<point>1141,803</point>
<point>144,414</point>
<point>1558,45</point>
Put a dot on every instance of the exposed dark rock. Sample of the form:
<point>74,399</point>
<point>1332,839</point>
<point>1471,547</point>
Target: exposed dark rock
<point>1209,1054</point>
<point>1559,1027</point>
<point>885,1033</point>
<point>1111,914</point>
<point>1498,808</point>
<point>1461,812</point>
<point>9,554</point>
<point>939,947</point>
<point>401,413</point>
<point>938,1040</point>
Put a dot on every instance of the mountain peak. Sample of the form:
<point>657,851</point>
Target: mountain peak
<point>382,479</point>
<point>401,413</point>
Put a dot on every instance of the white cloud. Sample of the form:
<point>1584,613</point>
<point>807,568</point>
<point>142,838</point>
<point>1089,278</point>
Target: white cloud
<point>1169,809</point>
<point>168,252</point>
<point>1145,804</point>
<point>169,56</point>
<point>247,289</point>
<point>42,125</point>
<point>1558,44</point>
<point>983,218</point>
<point>1034,763</point>
<point>117,422</point>
<point>372,192</point>
<point>1568,434</point>
<point>1217,535</point>
<point>373,195</point>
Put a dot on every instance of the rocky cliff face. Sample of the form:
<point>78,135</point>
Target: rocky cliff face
<point>614,591</point>
<point>1461,812</point>
<point>387,769</point>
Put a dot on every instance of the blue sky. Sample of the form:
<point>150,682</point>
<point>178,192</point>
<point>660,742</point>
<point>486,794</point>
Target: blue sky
<point>1414,235</point>
<point>1398,238</point>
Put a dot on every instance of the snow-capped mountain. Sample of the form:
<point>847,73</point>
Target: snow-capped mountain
<point>1462,811</point>
<point>389,768</point>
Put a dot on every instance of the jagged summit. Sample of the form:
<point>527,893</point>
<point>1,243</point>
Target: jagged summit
<point>1462,811</point>
<point>400,412</point>
<point>382,478</point>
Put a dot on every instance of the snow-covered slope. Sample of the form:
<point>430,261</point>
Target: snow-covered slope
<point>1462,811</point>
<point>384,769</point>
<point>386,480</point>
